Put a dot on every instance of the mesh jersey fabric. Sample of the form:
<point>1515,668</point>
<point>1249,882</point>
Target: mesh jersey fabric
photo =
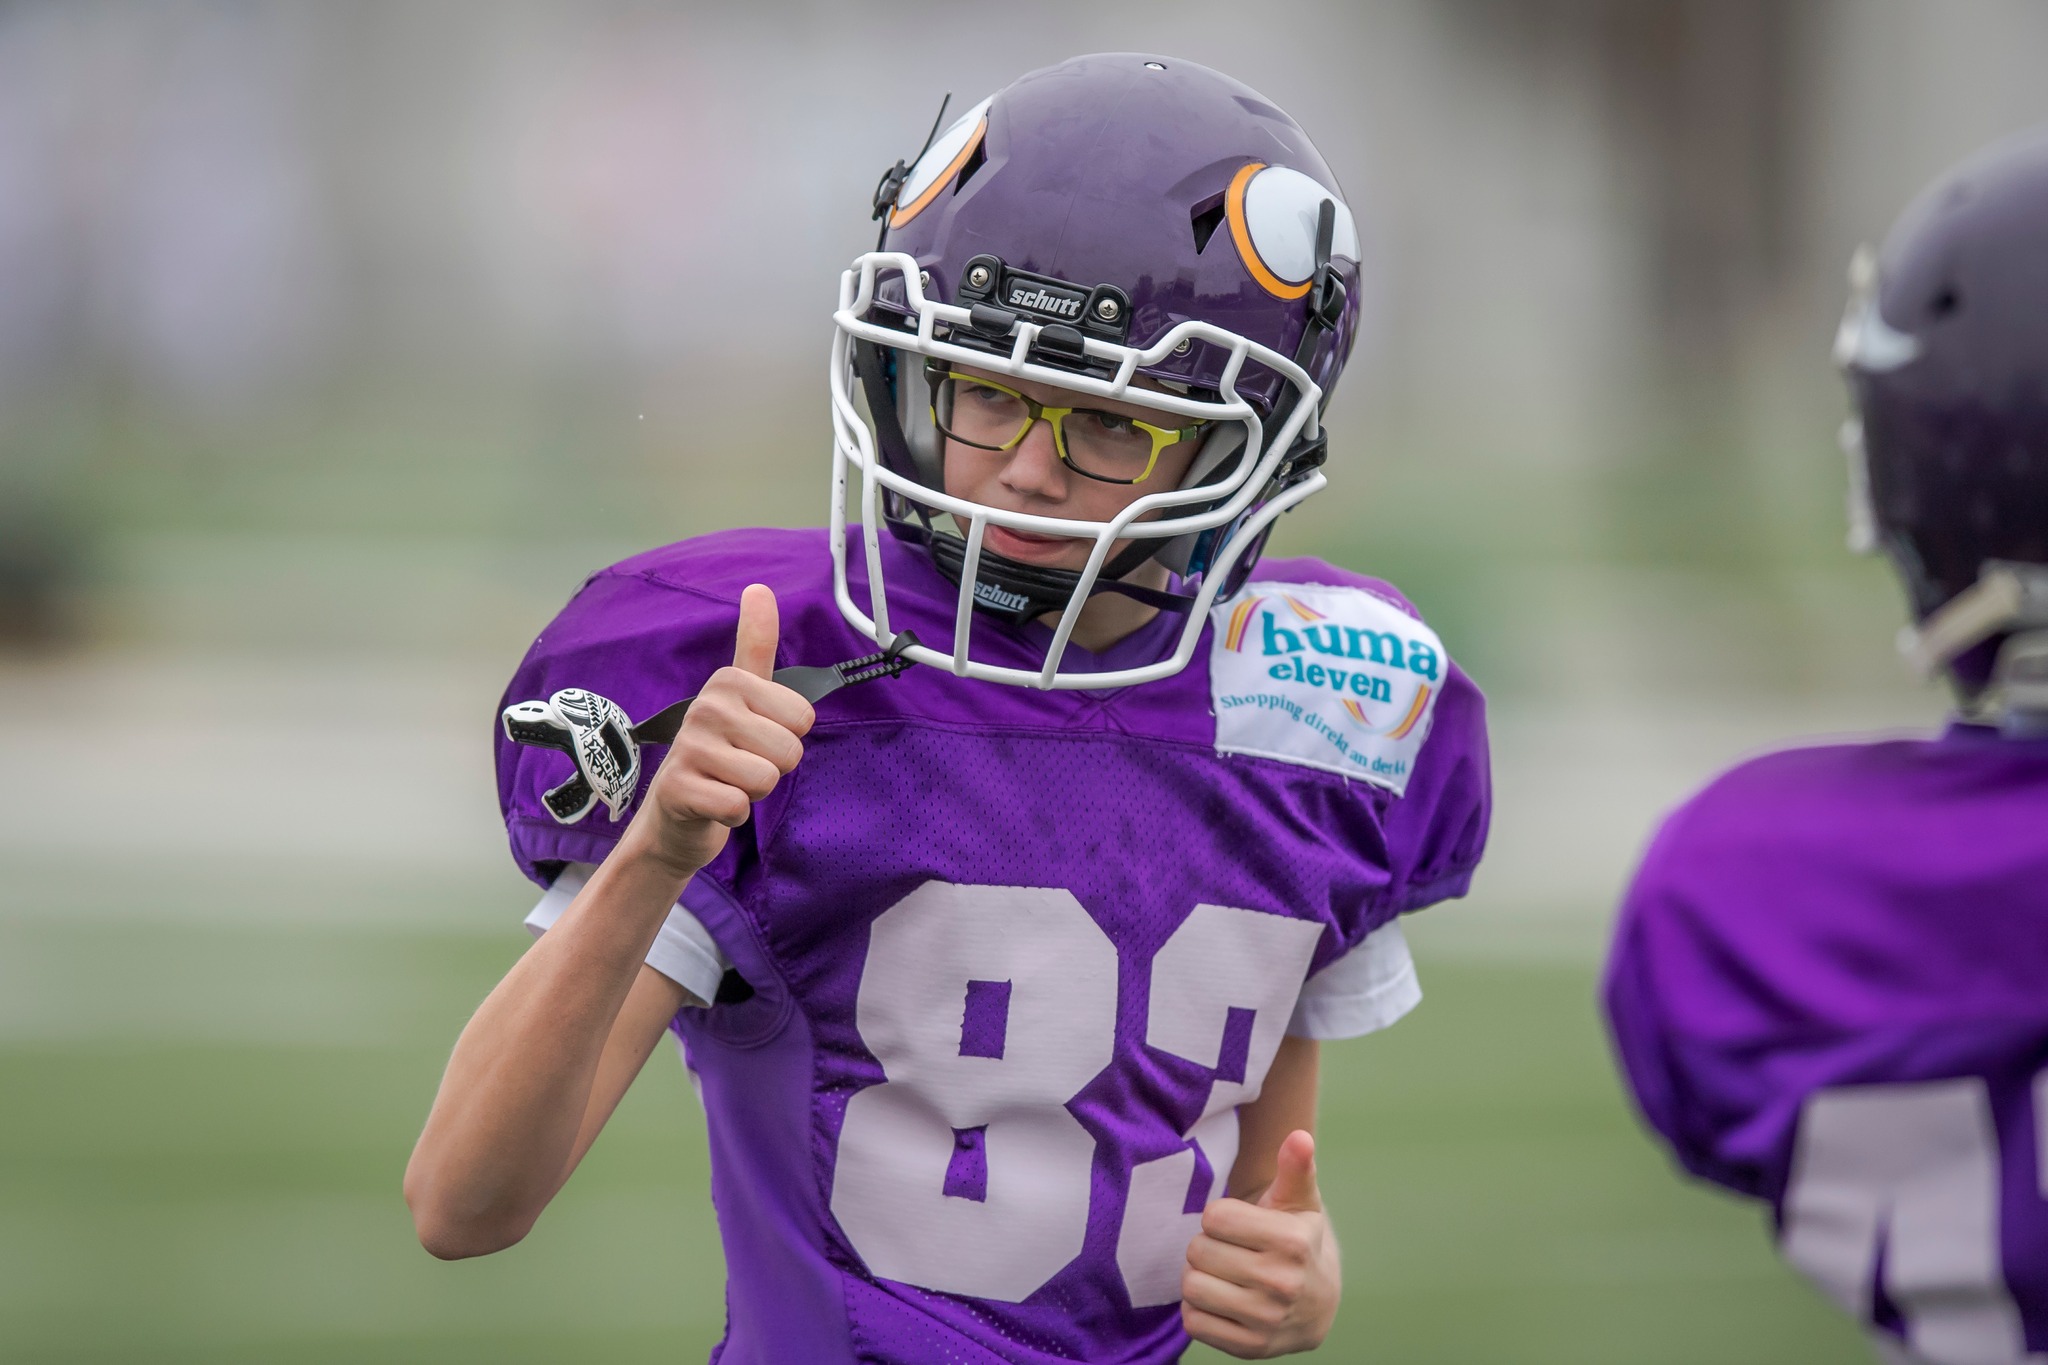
<point>1847,926</point>
<point>1017,957</point>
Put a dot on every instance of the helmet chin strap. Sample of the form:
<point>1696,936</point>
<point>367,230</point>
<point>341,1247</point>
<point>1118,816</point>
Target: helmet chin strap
<point>1015,592</point>
<point>2010,599</point>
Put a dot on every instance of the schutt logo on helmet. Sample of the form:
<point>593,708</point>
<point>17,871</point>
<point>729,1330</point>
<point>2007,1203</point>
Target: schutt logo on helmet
<point>1040,298</point>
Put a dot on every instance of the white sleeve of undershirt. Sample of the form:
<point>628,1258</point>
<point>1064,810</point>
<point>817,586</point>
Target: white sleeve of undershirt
<point>683,951</point>
<point>1362,992</point>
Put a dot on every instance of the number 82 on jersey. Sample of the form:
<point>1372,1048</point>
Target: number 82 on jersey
<point>990,1008</point>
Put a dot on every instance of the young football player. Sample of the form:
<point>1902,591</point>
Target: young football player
<point>1829,984</point>
<point>1002,979</point>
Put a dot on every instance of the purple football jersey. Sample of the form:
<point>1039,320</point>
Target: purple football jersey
<point>1829,990</point>
<point>1016,956</point>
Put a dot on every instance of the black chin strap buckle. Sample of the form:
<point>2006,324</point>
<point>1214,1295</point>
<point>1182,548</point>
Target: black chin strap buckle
<point>1326,298</point>
<point>1326,295</point>
<point>890,186</point>
<point>1305,459</point>
<point>887,188</point>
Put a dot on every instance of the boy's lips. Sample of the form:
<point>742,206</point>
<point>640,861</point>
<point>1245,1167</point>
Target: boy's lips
<point>1022,545</point>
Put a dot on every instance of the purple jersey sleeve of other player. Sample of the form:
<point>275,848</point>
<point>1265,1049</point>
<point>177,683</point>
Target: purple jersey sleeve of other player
<point>1826,991</point>
<point>1017,958</point>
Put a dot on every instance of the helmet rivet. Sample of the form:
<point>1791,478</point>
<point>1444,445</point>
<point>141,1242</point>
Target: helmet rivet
<point>978,277</point>
<point>1155,66</point>
<point>1107,309</point>
<point>1185,345</point>
<point>924,279</point>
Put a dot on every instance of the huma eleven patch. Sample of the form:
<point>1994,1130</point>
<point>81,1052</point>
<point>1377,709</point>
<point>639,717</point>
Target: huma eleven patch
<point>1332,678</point>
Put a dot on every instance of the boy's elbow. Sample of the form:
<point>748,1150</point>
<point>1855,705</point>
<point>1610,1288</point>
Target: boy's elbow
<point>457,1240</point>
<point>449,1236</point>
<point>459,1244</point>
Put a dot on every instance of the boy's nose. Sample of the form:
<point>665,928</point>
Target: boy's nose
<point>1034,465</point>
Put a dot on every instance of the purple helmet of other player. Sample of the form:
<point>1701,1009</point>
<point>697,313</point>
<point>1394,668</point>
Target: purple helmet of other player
<point>1945,348</point>
<point>1126,227</point>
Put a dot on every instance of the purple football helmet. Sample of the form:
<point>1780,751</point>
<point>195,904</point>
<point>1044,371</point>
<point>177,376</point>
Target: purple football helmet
<point>1114,216</point>
<point>1945,348</point>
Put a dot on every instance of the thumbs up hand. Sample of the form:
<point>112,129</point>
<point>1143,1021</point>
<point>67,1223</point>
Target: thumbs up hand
<point>1263,1278</point>
<point>741,735</point>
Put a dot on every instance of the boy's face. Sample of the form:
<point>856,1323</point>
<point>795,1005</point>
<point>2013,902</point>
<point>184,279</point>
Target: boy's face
<point>1031,476</point>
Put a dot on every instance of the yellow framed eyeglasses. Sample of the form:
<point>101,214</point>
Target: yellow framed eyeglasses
<point>1107,446</point>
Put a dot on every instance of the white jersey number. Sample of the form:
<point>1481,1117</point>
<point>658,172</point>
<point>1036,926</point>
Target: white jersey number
<point>1912,1172</point>
<point>1219,959</point>
<point>926,956</point>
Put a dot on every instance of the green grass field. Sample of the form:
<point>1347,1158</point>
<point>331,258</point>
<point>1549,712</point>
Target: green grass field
<point>207,1114</point>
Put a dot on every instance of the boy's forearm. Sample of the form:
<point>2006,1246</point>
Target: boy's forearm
<point>503,1129</point>
<point>1286,1102</point>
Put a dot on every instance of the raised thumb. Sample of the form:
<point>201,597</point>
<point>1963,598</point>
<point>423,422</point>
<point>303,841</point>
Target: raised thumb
<point>753,646</point>
<point>1294,1177</point>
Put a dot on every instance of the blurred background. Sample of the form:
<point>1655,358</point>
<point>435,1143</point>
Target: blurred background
<point>338,342</point>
